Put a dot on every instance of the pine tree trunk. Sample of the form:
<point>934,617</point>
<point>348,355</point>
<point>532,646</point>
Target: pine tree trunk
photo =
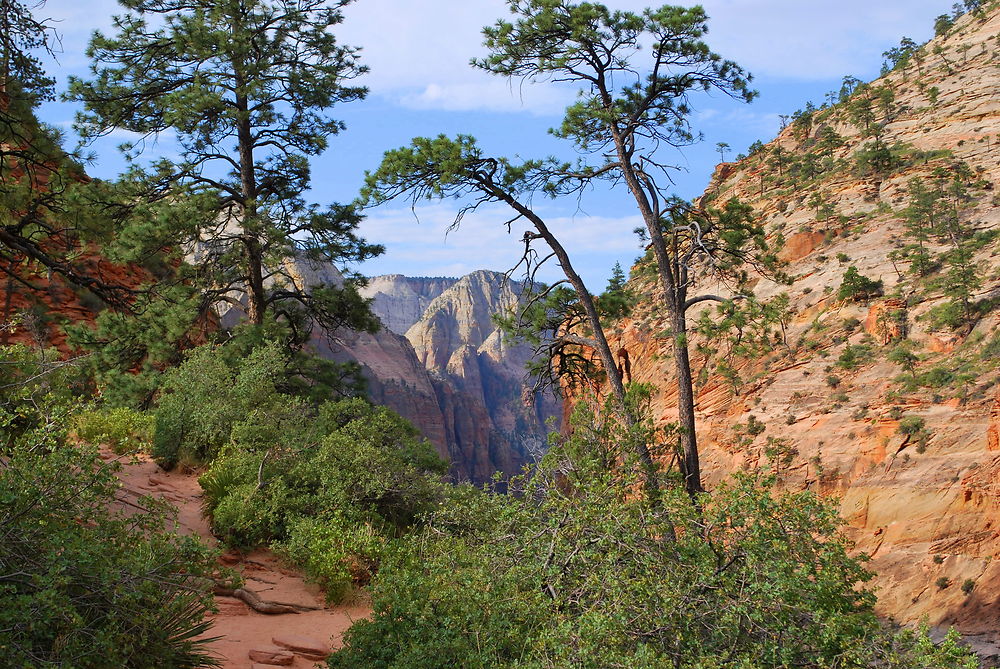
<point>691,468</point>
<point>256,297</point>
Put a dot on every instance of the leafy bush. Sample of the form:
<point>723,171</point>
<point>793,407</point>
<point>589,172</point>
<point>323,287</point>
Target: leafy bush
<point>335,551</point>
<point>205,400</point>
<point>853,356</point>
<point>84,583</point>
<point>575,570</point>
<point>950,315</point>
<point>123,430</point>
<point>911,425</point>
<point>329,492</point>
<point>858,288</point>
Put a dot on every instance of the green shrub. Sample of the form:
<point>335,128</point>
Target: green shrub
<point>853,356</point>
<point>968,585</point>
<point>336,552</point>
<point>936,377</point>
<point>858,288</point>
<point>122,429</point>
<point>911,425</point>
<point>330,493</point>
<point>576,570</point>
<point>943,582</point>
<point>84,583</point>
<point>204,399</point>
<point>950,315</point>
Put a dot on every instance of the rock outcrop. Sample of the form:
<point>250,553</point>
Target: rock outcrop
<point>400,301</point>
<point>452,374</point>
<point>923,501</point>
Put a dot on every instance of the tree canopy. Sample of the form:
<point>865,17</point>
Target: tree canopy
<point>245,88</point>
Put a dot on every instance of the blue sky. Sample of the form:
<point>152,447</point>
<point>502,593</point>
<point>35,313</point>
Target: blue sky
<point>421,84</point>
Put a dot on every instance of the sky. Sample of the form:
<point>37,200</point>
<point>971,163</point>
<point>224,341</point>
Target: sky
<point>422,85</point>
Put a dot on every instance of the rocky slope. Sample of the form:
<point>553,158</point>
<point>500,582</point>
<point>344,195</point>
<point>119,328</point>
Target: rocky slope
<point>400,301</point>
<point>914,457</point>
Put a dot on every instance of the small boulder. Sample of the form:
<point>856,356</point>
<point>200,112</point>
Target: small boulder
<point>272,656</point>
<point>307,647</point>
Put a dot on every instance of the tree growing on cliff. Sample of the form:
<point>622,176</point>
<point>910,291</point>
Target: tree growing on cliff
<point>245,87</point>
<point>622,134</point>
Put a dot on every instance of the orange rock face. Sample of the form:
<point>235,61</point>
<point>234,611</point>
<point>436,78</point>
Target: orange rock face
<point>925,507</point>
<point>993,432</point>
<point>886,321</point>
<point>800,245</point>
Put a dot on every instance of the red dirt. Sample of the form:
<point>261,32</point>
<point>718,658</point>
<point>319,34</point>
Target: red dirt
<point>240,628</point>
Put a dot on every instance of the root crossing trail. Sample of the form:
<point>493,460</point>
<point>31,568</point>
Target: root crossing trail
<point>299,637</point>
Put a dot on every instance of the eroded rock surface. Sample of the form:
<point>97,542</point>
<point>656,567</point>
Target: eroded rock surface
<point>925,506</point>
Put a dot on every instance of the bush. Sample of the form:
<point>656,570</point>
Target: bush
<point>968,585</point>
<point>204,400</point>
<point>330,494</point>
<point>950,315</point>
<point>84,583</point>
<point>858,288</point>
<point>123,430</point>
<point>911,425</point>
<point>852,356</point>
<point>576,570</point>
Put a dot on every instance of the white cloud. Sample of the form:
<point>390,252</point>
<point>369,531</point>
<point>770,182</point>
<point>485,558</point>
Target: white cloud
<point>418,241</point>
<point>493,95</point>
<point>419,52</point>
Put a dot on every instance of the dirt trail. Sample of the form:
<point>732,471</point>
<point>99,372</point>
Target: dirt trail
<point>241,629</point>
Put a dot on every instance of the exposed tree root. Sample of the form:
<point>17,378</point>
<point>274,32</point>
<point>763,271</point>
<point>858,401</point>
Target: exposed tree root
<point>254,601</point>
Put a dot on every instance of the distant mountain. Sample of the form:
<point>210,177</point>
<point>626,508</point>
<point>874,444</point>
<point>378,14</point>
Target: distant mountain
<point>400,301</point>
<point>441,362</point>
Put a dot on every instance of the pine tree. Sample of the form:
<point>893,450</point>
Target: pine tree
<point>621,132</point>
<point>245,86</point>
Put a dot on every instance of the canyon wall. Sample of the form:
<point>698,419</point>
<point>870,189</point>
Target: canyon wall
<point>838,415</point>
<point>442,363</point>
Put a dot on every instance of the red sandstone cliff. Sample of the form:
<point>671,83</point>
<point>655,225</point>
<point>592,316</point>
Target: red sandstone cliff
<point>926,507</point>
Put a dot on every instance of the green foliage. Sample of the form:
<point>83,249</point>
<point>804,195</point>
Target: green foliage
<point>853,356</point>
<point>336,552</point>
<point>25,35</point>
<point>948,315</point>
<point>204,401</point>
<point>857,287</point>
<point>577,571</point>
<point>85,583</point>
<point>328,486</point>
<point>741,330</point>
<point>898,58</point>
<point>246,86</point>
<point>943,24</point>
<point>617,300</point>
<point>123,430</point>
<point>935,215</point>
<point>911,425</point>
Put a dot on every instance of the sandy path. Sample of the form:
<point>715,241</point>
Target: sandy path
<point>241,629</point>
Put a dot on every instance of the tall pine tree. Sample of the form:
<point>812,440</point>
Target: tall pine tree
<point>245,86</point>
